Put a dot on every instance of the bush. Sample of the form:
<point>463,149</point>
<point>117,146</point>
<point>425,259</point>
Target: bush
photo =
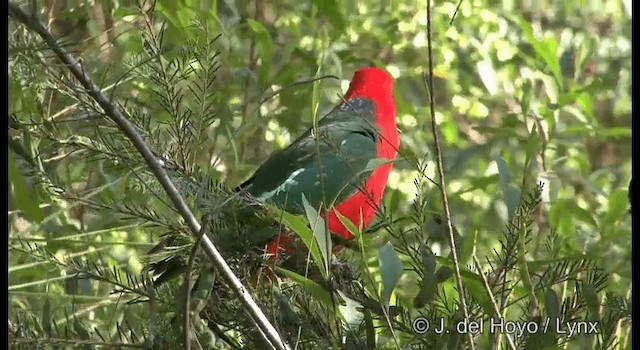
<point>532,104</point>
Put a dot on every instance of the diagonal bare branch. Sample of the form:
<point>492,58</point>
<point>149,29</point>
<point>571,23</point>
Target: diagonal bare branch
<point>441,178</point>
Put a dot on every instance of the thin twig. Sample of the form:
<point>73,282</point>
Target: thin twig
<point>443,191</point>
<point>455,13</point>
<point>487,288</point>
<point>266,328</point>
<point>301,82</point>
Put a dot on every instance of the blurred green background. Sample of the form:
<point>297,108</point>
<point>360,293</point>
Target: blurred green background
<point>525,92</point>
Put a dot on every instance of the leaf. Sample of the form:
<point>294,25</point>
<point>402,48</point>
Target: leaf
<point>350,312</point>
<point>585,53</point>
<point>614,132</point>
<point>577,112</point>
<point>551,304</point>
<point>525,97</point>
<point>390,270</point>
<point>348,224</point>
<point>80,329</point>
<point>471,281</point>
<point>585,101</point>
<point>331,11</point>
<point>22,195</point>
<point>591,298</point>
<point>467,246</point>
<point>488,76</point>
<point>443,274</point>
<point>169,10</point>
<point>567,63</point>
<point>314,288</point>
<point>375,163</point>
<point>319,231</point>
<point>511,193</point>
<point>265,49</point>
<point>545,49</point>
<point>298,225</point>
<point>551,87</point>
<point>505,174</point>
<point>205,285</point>
<point>429,283</point>
<point>580,213</point>
<point>562,223</point>
<point>46,317</point>
<point>533,144</point>
<point>616,207</point>
<point>316,92</point>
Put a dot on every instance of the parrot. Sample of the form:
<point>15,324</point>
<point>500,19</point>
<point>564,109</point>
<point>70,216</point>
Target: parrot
<point>331,164</point>
<point>340,166</point>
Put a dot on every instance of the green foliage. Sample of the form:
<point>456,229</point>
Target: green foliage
<point>533,105</point>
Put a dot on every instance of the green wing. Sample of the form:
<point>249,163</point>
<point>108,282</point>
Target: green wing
<point>335,161</point>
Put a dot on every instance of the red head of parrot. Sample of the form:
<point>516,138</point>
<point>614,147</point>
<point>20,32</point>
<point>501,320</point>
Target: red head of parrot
<point>375,85</point>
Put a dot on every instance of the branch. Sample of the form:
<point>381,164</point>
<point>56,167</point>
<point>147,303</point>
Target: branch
<point>266,328</point>
<point>443,191</point>
<point>496,310</point>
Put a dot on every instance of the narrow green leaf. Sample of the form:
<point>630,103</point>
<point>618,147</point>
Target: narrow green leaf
<point>265,48</point>
<point>533,144</point>
<point>314,288</point>
<point>46,317</point>
<point>299,226</point>
<point>551,87</point>
<point>567,63</point>
<point>348,224</point>
<point>206,283</point>
<point>591,297</point>
<point>468,242</point>
<point>551,304</point>
<point>545,49</point>
<point>375,163</point>
<point>169,10</point>
<point>585,102</point>
<point>80,329</point>
<point>488,76</point>
<point>616,207</point>
<point>428,259</point>
<point>428,283</point>
<point>23,196</point>
<point>390,270</point>
<point>319,231</point>
<point>585,53</point>
<point>580,213</point>
<point>525,97</point>
<point>443,274</point>
<point>511,193</point>
<point>315,98</point>
<point>543,264</point>
<point>503,171</point>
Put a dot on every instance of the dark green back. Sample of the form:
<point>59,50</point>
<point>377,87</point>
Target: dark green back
<point>335,161</point>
